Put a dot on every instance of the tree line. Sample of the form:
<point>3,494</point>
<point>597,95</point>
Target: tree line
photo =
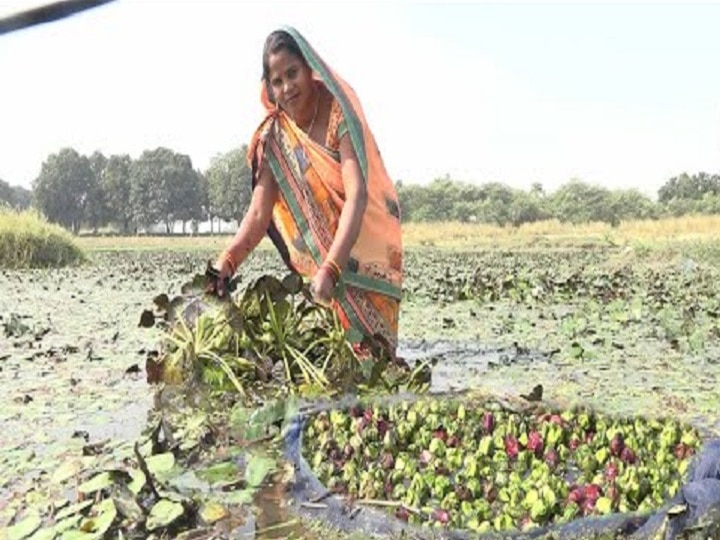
<point>159,187</point>
<point>162,187</point>
<point>573,202</point>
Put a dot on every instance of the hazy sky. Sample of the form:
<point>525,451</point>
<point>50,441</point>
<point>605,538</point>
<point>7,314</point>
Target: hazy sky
<point>618,94</point>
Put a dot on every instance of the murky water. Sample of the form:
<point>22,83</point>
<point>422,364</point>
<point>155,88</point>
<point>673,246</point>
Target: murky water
<point>75,375</point>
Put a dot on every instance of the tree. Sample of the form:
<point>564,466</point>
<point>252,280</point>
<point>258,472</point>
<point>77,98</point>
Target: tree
<point>7,195</point>
<point>628,204</point>
<point>537,189</point>
<point>207,211</point>
<point>186,193</point>
<point>61,191</point>
<point>412,199</point>
<point>229,184</point>
<point>580,202</point>
<point>115,183</point>
<point>98,213</point>
<point>22,196</point>
<point>164,188</point>
<point>527,208</point>
<point>688,187</point>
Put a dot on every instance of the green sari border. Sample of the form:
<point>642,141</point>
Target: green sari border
<point>354,126</point>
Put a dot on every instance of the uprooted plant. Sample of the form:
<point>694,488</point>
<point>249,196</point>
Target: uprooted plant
<point>271,337</point>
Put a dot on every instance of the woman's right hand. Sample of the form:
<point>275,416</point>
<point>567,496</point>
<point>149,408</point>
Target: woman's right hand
<point>225,272</point>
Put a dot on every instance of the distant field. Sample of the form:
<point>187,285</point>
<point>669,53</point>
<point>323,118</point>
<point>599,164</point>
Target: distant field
<point>638,234</point>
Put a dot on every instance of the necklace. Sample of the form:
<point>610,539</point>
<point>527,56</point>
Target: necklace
<point>317,102</point>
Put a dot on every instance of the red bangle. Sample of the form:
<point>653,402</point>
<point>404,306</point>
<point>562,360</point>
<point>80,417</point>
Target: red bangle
<point>334,270</point>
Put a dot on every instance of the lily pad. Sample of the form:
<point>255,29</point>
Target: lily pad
<point>73,509</point>
<point>24,528</point>
<point>138,480</point>
<point>66,471</point>
<point>128,507</point>
<point>220,473</point>
<point>212,512</point>
<point>98,482</point>
<point>160,463</point>
<point>99,525</point>
<point>258,467</point>
<point>163,514</point>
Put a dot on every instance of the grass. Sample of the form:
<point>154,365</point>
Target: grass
<point>27,240</point>
<point>553,233</point>
<point>641,235</point>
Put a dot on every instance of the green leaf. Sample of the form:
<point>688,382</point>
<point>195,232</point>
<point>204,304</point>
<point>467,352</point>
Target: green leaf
<point>96,483</point>
<point>238,497</point>
<point>66,524</point>
<point>576,350</point>
<point>160,463</point>
<point>212,512</point>
<point>138,480</point>
<point>106,514</point>
<point>258,467</point>
<point>24,528</point>
<point>128,507</point>
<point>77,535</point>
<point>164,513</point>
<point>66,471</point>
<point>220,472</point>
<point>73,509</point>
<point>44,534</point>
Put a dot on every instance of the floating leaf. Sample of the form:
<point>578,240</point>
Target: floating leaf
<point>162,301</point>
<point>138,481</point>
<point>66,471</point>
<point>221,472</point>
<point>77,535</point>
<point>73,509</point>
<point>147,319</point>
<point>99,525</point>
<point>164,513</point>
<point>160,463</point>
<point>212,512</point>
<point>238,497</point>
<point>293,283</point>
<point>24,528</point>
<point>128,507</point>
<point>96,483</point>
<point>44,534</point>
<point>258,467</point>
<point>66,524</point>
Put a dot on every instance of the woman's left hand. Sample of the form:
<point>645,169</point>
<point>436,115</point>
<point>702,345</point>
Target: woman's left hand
<point>322,287</point>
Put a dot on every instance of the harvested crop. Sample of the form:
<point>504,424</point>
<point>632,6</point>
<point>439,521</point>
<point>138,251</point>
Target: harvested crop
<point>504,469</point>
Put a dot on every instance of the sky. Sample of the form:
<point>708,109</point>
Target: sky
<point>616,94</point>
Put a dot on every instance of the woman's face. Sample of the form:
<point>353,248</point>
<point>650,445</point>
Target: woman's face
<point>291,83</point>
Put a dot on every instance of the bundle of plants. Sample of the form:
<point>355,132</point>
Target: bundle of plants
<point>270,337</point>
<point>484,467</point>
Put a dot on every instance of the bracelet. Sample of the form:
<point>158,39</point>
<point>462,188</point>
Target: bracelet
<point>331,272</point>
<point>333,268</point>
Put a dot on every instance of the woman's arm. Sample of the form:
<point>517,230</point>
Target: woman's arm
<point>256,221</point>
<point>353,210</point>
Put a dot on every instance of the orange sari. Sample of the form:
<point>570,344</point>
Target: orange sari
<point>306,215</point>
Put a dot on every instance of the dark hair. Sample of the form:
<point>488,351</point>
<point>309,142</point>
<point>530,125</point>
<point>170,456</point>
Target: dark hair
<point>276,42</point>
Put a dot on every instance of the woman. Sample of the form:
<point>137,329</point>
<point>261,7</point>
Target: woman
<point>321,192</point>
